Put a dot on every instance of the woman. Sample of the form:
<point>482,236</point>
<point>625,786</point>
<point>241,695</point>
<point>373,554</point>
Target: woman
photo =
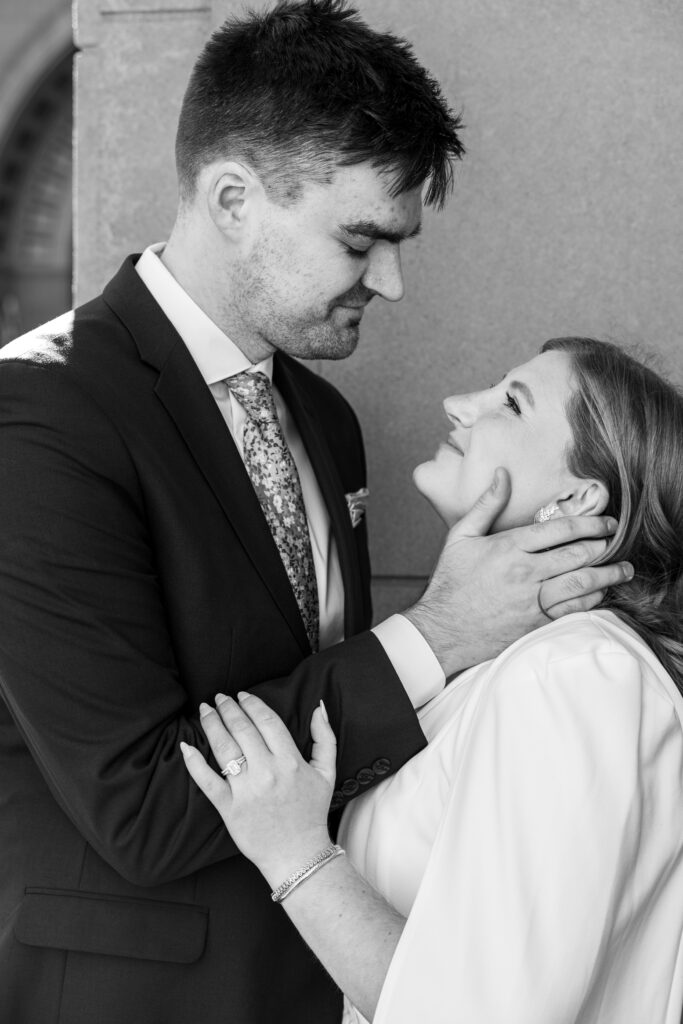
<point>526,867</point>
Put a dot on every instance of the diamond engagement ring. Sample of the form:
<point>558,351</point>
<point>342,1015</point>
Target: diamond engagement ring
<point>234,767</point>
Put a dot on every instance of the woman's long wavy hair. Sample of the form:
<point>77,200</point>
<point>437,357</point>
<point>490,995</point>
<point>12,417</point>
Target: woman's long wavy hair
<point>627,425</point>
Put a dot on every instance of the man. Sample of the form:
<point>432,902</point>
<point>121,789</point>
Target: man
<point>173,527</point>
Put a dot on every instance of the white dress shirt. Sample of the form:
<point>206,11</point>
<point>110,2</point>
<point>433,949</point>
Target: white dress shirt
<point>536,844</point>
<point>217,357</point>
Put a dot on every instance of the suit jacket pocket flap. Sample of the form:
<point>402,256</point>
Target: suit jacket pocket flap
<point>112,925</point>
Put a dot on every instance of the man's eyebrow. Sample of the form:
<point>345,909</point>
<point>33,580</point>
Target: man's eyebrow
<point>520,386</point>
<point>370,229</point>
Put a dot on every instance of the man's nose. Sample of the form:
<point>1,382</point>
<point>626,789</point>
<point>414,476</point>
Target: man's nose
<point>383,274</point>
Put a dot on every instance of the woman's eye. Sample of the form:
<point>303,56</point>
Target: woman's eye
<point>512,403</point>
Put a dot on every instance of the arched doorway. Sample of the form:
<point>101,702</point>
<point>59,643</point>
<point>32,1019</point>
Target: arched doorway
<point>35,206</point>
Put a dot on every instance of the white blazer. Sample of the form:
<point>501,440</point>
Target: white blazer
<point>536,844</point>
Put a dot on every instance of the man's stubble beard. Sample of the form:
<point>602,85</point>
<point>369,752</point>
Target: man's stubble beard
<point>308,337</point>
<point>311,337</point>
<point>315,341</point>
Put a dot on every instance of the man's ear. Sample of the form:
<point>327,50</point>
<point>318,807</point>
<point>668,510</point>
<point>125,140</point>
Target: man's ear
<point>234,193</point>
<point>587,498</point>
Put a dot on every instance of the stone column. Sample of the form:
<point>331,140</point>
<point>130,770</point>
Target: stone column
<point>135,57</point>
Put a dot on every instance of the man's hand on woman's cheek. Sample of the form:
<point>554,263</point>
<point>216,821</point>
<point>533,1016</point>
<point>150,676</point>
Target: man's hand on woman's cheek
<point>487,590</point>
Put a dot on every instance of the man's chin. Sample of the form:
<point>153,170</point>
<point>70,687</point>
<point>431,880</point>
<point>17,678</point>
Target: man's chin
<point>339,345</point>
<point>346,343</point>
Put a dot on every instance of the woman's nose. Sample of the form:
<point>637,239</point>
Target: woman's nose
<point>461,409</point>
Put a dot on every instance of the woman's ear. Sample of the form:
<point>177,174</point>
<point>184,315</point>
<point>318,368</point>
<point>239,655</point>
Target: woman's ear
<point>587,498</point>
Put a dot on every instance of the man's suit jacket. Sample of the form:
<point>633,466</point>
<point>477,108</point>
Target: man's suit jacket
<point>137,578</point>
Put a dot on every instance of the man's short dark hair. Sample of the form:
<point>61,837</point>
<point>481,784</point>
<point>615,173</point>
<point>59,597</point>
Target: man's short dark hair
<point>307,87</point>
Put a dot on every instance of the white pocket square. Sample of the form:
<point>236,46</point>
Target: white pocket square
<point>357,502</point>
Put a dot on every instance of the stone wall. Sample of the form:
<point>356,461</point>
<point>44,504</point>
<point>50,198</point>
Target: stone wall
<point>567,215</point>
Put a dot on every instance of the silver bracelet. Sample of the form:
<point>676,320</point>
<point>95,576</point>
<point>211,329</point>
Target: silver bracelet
<point>319,861</point>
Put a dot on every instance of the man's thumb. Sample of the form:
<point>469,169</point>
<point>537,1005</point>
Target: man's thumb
<point>486,508</point>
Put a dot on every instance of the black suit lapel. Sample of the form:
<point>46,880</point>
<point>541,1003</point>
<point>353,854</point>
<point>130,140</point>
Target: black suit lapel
<point>188,401</point>
<point>286,380</point>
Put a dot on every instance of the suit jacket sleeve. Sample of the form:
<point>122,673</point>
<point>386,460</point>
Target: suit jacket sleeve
<point>87,663</point>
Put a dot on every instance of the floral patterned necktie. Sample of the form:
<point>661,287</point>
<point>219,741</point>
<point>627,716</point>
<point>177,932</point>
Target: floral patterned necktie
<point>271,468</point>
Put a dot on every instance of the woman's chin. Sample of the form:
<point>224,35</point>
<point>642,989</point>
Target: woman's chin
<point>447,517</point>
<point>422,481</point>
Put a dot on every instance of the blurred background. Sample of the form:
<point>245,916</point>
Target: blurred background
<point>567,216</point>
<point>36,56</point>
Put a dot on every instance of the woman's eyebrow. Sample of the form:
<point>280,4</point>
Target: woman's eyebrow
<point>525,390</point>
<point>371,229</point>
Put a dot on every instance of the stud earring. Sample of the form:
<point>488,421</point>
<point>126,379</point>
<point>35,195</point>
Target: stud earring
<point>546,513</point>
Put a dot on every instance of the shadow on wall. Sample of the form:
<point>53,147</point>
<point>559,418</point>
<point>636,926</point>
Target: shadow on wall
<point>35,206</point>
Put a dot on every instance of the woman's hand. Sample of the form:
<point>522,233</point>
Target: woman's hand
<point>276,807</point>
<point>276,811</point>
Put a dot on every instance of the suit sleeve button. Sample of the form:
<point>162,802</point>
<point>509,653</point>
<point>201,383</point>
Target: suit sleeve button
<point>350,787</point>
<point>381,766</point>
<point>365,776</point>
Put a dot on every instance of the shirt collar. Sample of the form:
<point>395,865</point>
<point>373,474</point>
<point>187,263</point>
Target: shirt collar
<point>216,356</point>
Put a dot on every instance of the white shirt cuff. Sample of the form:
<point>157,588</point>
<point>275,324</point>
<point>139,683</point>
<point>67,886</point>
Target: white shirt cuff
<point>414,662</point>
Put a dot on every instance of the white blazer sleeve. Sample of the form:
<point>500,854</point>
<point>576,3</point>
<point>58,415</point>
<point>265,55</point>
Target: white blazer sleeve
<point>536,844</point>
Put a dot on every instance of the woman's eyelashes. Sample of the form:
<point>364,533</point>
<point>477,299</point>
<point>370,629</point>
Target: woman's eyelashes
<point>512,403</point>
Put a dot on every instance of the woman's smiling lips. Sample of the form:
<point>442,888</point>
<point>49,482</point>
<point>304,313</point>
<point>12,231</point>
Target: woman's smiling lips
<point>451,443</point>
